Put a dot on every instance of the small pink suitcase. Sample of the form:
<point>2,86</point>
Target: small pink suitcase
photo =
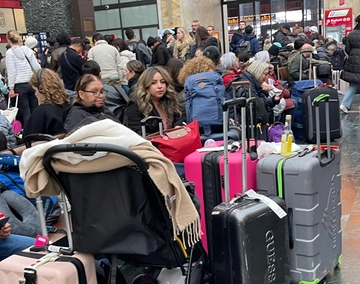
<point>60,271</point>
<point>206,170</point>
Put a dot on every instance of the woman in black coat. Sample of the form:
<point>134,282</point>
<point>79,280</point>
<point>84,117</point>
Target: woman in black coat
<point>47,117</point>
<point>88,103</point>
<point>160,53</point>
<point>351,72</point>
<point>155,97</point>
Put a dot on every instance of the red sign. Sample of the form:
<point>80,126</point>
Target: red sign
<point>10,4</point>
<point>3,38</point>
<point>339,20</point>
<point>341,2</point>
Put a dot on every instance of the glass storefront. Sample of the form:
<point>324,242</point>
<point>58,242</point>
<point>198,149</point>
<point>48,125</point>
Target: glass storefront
<point>115,16</point>
<point>267,16</point>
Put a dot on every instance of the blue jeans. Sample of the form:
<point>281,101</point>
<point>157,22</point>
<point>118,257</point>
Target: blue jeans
<point>349,95</point>
<point>14,244</point>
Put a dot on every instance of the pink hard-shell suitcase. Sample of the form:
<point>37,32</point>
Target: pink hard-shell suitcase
<point>76,269</point>
<point>206,170</point>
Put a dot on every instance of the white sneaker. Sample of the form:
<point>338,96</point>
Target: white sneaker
<point>344,108</point>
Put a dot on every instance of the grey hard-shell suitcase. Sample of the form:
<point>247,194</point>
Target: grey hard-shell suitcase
<point>310,183</point>
<point>249,235</point>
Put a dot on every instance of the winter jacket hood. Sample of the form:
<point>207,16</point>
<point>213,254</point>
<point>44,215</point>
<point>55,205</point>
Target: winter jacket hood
<point>130,55</point>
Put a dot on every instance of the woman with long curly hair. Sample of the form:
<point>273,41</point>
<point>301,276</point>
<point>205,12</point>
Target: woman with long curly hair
<point>155,97</point>
<point>53,100</point>
<point>195,66</point>
<point>183,44</point>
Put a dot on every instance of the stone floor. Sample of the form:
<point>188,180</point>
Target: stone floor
<point>349,272</point>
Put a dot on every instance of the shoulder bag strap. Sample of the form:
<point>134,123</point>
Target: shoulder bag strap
<point>122,93</point>
<point>27,59</point>
<point>68,62</point>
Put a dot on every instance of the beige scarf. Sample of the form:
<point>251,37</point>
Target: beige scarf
<point>182,211</point>
<point>181,49</point>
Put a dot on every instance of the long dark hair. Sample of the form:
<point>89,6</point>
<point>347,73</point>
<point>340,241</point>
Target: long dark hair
<point>201,35</point>
<point>120,44</point>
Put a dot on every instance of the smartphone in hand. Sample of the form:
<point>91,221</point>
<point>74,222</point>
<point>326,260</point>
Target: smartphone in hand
<point>3,221</point>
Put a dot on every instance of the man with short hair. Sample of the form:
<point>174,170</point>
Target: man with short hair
<point>199,51</point>
<point>108,58</point>
<point>305,52</point>
<point>281,35</point>
<point>142,53</point>
<point>195,25</point>
<point>238,36</point>
<point>46,56</point>
<point>251,38</point>
<point>210,29</point>
<point>71,63</point>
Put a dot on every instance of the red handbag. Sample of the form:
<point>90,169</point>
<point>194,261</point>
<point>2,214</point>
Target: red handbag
<point>176,143</point>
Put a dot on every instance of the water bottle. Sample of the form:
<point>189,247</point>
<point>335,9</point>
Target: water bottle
<point>210,143</point>
<point>286,138</point>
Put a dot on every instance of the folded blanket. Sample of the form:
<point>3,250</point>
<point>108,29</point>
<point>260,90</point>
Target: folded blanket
<point>182,211</point>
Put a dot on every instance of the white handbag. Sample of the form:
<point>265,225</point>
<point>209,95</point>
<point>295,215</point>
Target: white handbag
<point>11,112</point>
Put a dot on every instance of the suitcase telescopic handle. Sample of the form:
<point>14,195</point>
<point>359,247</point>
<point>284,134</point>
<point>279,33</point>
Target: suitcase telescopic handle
<point>235,84</point>
<point>225,106</point>
<point>316,103</point>
<point>151,121</point>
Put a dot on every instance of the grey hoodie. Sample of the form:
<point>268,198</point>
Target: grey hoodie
<point>18,67</point>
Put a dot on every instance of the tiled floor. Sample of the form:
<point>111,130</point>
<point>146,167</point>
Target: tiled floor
<point>349,272</point>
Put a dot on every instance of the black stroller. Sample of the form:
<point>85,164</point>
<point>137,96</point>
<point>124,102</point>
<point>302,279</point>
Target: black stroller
<point>120,213</point>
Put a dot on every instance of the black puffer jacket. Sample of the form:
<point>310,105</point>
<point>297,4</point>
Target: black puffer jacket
<point>351,72</point>
<point>79,112</point>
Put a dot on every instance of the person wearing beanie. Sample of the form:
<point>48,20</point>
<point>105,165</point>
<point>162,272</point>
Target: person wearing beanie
<point>31,42</point>
<point>298,44</point>
<point>351,71</point>
<point>213,53</point>
<point>275,60</point>
<point>160,53</point>
<point>274,51</point>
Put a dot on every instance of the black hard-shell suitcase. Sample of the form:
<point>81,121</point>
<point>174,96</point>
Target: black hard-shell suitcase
<point>250,240</point>
<point>309,113</point>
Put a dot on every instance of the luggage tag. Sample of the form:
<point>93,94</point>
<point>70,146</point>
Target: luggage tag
<point>281,213</point>
<point>41,241</point>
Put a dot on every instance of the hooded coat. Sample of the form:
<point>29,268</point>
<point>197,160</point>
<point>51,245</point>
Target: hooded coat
<point>351,71</point>
<point>19,69</point>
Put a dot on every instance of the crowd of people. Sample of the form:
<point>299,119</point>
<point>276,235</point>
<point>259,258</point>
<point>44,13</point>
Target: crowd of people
<point>126,80</point>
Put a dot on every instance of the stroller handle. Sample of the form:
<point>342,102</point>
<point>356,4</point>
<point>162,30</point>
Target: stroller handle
<point>89,149</point>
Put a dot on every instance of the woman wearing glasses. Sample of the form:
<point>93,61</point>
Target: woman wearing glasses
<point>53,101</point>
<point>256,73</point>
<point>88,103</point>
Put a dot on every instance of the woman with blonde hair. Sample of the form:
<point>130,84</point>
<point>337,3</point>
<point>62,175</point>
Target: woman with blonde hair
<point>155,97</point>
<point>53,101</point>
<point>20,65</point>
<point>195,66</point>
<point>183,44</point>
